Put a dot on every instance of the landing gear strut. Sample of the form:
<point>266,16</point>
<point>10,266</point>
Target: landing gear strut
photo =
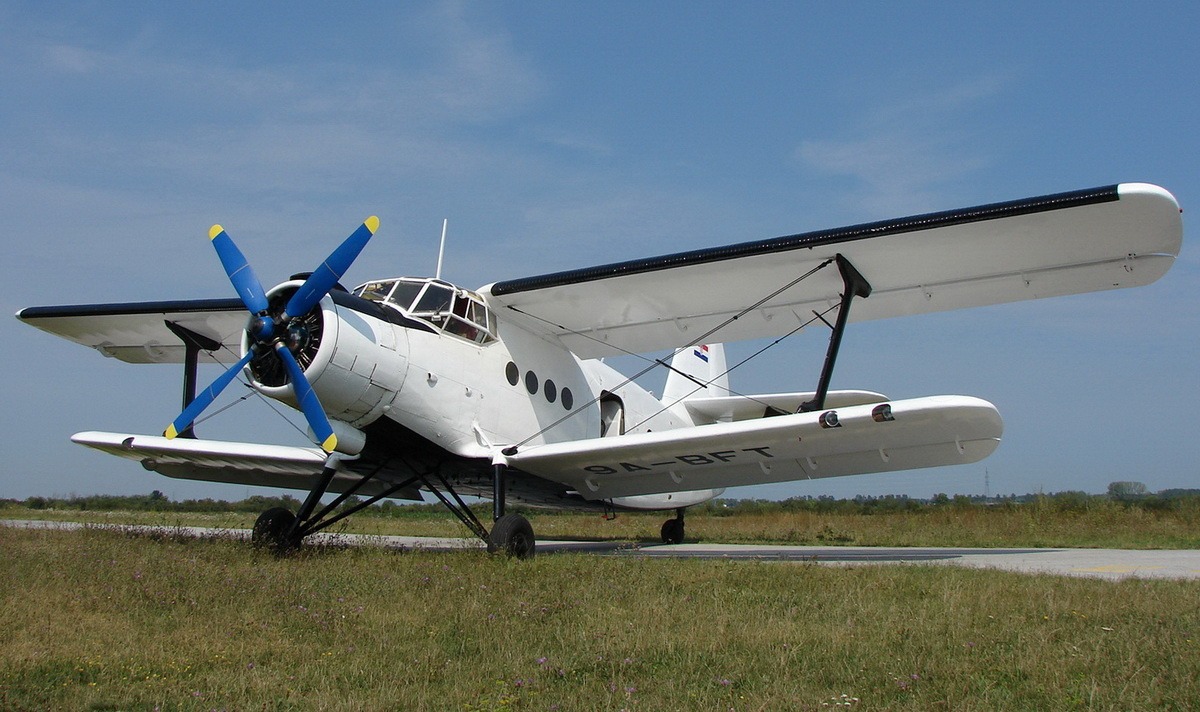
<point>511,534</point>
<point>672,529</point>
<point>281,530</point>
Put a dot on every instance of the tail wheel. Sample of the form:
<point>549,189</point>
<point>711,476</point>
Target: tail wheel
<point>672,531</point>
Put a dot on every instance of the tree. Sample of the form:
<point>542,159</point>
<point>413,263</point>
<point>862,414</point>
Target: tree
<point>1126,490</point>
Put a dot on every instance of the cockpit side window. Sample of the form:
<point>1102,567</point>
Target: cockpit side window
<point>375,291</point>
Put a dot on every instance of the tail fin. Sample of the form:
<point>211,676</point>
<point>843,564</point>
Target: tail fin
<point>693,368</point>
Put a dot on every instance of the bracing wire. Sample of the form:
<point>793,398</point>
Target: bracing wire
<point>659,362</point>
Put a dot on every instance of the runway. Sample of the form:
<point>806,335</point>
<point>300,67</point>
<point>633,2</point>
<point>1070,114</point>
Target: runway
<point>1112,564</point>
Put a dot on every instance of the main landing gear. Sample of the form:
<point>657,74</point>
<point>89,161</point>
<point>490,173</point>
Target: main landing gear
<point>280,530</point>
<point>511,534</point>
<point>672,529</point>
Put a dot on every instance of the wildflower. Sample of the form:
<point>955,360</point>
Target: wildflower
<point>541,661</point>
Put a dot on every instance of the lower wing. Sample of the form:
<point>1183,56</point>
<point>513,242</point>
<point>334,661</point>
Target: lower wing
<point>855,440</point>
<point>236,463</point>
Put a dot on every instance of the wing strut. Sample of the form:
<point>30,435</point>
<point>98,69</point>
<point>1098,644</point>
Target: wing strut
<point>854,285</point>
<point>193,344</point>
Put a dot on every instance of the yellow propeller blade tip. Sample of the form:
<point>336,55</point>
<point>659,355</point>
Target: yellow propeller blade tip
<point>330,444</point>
<point>372,224</point>
<point>214,231</point>
<point>171,433</point>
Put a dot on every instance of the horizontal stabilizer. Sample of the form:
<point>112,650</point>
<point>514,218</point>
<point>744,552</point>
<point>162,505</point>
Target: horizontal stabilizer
<point>731,408</point>
<point>854,440</point>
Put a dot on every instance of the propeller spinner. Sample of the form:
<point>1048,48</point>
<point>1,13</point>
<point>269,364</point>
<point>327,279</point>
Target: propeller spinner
<point>269,332</point>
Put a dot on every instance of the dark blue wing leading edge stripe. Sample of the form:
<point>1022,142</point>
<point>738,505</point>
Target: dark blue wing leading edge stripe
<point>993,211</point>
<point>166,307</point>
<point>198,306</point>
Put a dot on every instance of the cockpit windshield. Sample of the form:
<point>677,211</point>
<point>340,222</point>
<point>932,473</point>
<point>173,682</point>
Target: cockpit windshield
<point>451,309</point>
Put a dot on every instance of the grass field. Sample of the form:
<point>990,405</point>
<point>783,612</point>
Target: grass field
<point>106,620</point>
<point>1050,522</point>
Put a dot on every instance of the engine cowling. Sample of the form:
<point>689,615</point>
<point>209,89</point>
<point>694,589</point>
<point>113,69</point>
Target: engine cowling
<point>355,361</point>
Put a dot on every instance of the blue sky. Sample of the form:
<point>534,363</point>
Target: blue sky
<point>561,135</point>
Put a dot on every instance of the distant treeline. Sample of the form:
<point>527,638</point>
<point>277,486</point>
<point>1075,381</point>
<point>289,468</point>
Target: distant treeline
<point>1120,493</point>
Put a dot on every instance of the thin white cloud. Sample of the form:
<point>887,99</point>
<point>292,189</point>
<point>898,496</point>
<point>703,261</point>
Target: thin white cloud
<point>902,157</point>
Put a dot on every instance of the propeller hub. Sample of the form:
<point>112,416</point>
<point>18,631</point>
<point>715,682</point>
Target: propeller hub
<point>262,328</point>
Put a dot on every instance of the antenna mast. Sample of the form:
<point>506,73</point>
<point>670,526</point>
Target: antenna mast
<point>441,249</point>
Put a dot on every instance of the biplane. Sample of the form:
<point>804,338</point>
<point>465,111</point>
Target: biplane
<point>416,386</point>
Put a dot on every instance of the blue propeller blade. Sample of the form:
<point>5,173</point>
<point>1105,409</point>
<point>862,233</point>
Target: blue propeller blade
<point>331,270</point>
<point>205,399</point>
<point>307,398</point>
<point>239,270</point>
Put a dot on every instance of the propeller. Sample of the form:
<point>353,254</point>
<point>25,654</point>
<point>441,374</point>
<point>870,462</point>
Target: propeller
<point>269,333</point>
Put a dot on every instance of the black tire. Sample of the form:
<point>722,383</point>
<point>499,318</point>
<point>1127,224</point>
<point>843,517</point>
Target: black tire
<point>271,529</point>
<point>672,531</point>
<point>512,534</point>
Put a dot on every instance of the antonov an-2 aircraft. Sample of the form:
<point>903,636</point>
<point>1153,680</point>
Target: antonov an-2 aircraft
<point>414,385</point>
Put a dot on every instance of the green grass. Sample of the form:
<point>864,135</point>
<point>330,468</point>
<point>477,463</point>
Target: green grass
<point>105,620</point>
<point>1043,523</point>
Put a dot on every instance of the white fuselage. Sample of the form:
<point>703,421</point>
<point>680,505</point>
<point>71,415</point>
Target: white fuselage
<point>473,395</point>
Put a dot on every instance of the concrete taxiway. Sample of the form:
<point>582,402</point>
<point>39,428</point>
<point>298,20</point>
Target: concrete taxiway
<point>1097,563</point>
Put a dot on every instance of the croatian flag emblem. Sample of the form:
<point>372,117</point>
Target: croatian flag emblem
<point>702,353</point>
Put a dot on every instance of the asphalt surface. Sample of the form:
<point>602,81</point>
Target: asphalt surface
<point>1111,564</point>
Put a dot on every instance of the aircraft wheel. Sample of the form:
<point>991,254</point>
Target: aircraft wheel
<point>672,531</point>
<point>512,534</point>
<point>271,528</point>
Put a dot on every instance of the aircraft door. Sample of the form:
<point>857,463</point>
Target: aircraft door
<point>612,415</point>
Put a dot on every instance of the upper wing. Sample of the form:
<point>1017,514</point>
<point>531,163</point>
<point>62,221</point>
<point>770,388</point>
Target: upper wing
<point>138,333</point>
<point>1118,236</point>
<point>859,439</point>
